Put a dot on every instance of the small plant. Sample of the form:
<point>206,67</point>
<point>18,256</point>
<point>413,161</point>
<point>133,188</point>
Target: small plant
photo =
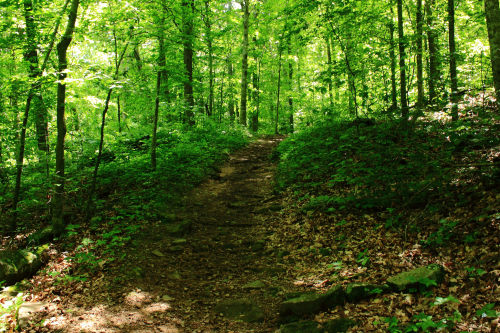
<point>363,258</point>
<point>393,324</point>
<point>72,229</point>
<point>474,272</point>
<point>442,235</point>
<point>443,300</point>
<point>425,323</point>
<point>471,238</point>
<point>488,311</point>
<point>337,265</point>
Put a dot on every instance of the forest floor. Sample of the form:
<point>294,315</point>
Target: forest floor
<point>163,287</point>
<point>246,241</point>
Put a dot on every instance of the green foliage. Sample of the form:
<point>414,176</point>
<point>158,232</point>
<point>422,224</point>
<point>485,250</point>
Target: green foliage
<point>10,308</point>
<point>363,259</point>
<point>488,311</point>
<point>421,323</point>
<point>375,169</point>
<point>442,235</point>
<point>474,272</point>
<point>443,300</point>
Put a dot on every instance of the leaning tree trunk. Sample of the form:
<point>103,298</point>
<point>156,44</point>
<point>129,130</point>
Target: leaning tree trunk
<point>453,60</point>
<point>62,48</point>
<point>402,56</point>
<point>493,21</point>
<point>20,161</point>
<point>118,61</point>
<point>244,64</point>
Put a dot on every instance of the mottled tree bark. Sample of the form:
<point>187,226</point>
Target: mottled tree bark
<point>276,124</point>
<point>244,63</point>
<point>420,65</point>
<point>187,24</point>
<point>493,21</point>
<point>402,69</point>
<point>209,41</point>
<point>453,60</point>
<point>434,75</point>
<point>35,74</point>
<point>62,48</point>
<point>392,55</point>
<point>161,72</point>
<point>230,74</point>
<point>329,59</point>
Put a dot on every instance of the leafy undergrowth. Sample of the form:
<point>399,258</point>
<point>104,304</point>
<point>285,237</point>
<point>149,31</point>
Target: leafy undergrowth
<point>129,197</point>
<point>364,203</point>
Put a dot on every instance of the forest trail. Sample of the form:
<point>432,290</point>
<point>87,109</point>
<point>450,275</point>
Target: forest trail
<point>179,281</point>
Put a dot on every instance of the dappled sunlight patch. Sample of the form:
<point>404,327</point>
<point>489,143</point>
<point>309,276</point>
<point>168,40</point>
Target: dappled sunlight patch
<point>138,298</point>
<point>157,307</point>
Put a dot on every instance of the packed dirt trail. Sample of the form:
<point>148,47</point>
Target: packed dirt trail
<point>223,257</point>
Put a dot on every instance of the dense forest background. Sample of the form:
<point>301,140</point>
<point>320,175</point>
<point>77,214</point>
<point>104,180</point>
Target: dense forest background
<point>137,76</point>
<point>111,111</point>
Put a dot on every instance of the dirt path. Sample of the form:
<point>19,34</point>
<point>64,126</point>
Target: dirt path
<point>180,280</point>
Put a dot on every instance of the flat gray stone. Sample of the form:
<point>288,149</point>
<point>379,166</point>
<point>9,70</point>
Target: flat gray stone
<point>358,291</point>
<point>20,264</point>
<point>302,304</point>
<point>27,310</point>
<point>334,296</point>
<point>241,310</point>
<point>416,277</point>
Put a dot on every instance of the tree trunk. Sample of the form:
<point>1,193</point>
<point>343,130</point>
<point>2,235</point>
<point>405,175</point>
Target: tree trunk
<point>244,64</point>
<point>276,125</point>
<point>118,61</point>
<point>433,52</point>
<point>35,74</point>
<point>161,72</point>
<point>329,58</point>
<point>2,110</point>
<point>119,113</point>
<point>402,56</point>
<point>187,17</point>
<point>420,66</point>
<point>290,88</point>
<point>255,120</point>
<point>62,48</point>
<point>392,54</point>
<point>351,78</point>
<point>209,40</point>
<point>453,60</point>
<point>20,162</point>
<point>230,73</point>
<point>493,21</point>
